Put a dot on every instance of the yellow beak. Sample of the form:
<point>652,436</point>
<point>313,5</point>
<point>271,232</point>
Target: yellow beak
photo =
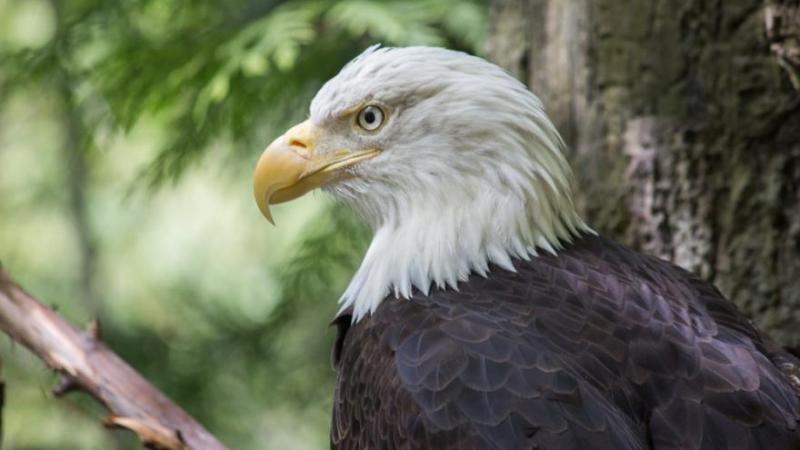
<point>298,162</point>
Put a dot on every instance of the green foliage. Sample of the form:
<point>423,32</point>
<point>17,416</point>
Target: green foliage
<point>226,317</point>
<point>246,76</point>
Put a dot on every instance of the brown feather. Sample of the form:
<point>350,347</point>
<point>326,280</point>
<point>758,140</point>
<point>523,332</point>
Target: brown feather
<point>598,347</point>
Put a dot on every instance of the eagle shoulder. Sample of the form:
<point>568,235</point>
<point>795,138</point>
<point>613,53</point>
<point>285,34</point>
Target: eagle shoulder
<point>598,347</point>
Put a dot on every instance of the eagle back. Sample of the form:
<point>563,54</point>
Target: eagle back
<point>597,347</point>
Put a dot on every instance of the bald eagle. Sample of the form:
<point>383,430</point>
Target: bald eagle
<point>486,314</point>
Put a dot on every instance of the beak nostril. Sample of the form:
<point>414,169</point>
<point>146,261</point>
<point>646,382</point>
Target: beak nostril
<point>297,143</point>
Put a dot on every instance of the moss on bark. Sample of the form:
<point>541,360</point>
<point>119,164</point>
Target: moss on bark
<point>684,129</point>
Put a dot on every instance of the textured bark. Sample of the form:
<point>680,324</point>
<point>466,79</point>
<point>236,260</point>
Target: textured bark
<point>783,30</point>
<point>684,127</point>
<point>86,364</point>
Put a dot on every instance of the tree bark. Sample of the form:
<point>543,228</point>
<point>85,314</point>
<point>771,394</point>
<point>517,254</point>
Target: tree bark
<point>683,121</point>
<point>86,363</point>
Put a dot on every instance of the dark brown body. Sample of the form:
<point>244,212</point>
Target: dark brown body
<point>596,348</point>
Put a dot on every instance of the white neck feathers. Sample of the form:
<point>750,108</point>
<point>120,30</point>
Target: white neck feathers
<point>437,244</point>
<point>472,172</point>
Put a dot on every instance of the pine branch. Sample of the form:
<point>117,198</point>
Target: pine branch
<point>86,363</point>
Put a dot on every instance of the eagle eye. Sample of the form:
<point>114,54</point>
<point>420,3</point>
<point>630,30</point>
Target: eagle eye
<point>370,118</point>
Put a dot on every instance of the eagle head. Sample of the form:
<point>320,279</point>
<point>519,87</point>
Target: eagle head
<point>452,161</point>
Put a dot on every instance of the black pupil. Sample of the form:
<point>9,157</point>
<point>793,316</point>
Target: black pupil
<point>369,116</point>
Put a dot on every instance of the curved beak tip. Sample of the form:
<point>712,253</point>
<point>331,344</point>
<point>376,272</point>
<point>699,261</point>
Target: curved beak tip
<point>268,215</point>
<point>286,170</point>
<point>262,200</point>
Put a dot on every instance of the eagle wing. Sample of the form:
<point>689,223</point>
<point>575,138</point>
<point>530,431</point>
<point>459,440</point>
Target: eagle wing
<point>596,348</point>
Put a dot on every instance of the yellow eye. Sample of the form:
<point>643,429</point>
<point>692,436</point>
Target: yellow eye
<point>370,118</point>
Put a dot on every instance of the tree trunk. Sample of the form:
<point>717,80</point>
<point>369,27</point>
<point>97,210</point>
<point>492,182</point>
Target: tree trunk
<point>683,120</point>
<point>76,145</point>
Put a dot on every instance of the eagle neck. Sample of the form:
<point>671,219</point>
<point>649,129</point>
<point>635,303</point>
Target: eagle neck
<point>436,244</point>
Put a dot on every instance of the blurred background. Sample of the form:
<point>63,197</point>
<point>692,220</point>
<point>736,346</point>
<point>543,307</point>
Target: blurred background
<point>129,130</point>
<point>128,135</point>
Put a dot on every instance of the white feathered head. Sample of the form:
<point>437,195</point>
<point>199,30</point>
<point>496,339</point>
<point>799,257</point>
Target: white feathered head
<point>451,160</point>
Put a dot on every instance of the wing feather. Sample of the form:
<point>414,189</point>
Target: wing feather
<point>595,348</point>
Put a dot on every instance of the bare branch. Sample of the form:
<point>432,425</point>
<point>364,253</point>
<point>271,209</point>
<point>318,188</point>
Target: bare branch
<point>86,363</point>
